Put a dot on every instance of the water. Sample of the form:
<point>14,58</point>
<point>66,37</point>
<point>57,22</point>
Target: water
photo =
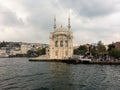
<point>20,74</point>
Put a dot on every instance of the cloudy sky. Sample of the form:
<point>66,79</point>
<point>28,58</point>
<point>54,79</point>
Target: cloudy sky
<point>32,20</point>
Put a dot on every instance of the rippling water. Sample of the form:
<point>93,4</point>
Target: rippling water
<point>20,74</point>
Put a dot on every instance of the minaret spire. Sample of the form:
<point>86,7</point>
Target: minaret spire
<point>54,23</point>
<point>69,23</point>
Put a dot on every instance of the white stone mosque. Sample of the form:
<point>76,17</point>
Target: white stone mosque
<point>61,42</point>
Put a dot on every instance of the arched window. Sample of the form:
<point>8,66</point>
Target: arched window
<point>61,43</point>
<point>56,43</point>
<point>66,43</point>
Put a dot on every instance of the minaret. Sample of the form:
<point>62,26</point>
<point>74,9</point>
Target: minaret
<point>69,23</point>
<point>54,23</point>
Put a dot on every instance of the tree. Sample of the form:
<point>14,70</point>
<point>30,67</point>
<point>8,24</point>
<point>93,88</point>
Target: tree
<point>93,51</point>
<point>81,50</point>
<point>32,53</point>
<point>111,46</point>
<point>3,44</point>
<point>41,51</point>
<point>114,53</point>
<point>101,49</point>
<point>76,51</point>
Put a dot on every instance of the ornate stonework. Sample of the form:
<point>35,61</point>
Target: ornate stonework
<point>61,42</point>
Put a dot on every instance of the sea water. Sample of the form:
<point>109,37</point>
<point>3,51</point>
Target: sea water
<point>21,74</point>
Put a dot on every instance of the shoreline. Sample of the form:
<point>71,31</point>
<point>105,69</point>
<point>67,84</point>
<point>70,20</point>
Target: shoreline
<point>73,61</point>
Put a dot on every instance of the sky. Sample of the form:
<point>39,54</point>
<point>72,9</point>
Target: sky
<point>32,20</point>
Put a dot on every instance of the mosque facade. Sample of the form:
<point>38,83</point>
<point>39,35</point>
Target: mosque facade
<point>61,42</point>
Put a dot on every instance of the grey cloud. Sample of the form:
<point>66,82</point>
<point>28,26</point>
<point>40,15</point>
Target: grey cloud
<point>9,18</point>
<point>90,8</point>
<point>40,14</point>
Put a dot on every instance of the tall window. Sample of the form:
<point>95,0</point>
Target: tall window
<point>61,43</point>
<point>56,43</point>
<point>66,53</point>
<point>66,43</point>
<point>56,53</point>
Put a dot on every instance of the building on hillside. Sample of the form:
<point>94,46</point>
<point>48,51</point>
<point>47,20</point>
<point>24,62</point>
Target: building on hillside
<point>3,53</point>
<point>25,48</point>
<point>14,52</point>
<point>61,42</point>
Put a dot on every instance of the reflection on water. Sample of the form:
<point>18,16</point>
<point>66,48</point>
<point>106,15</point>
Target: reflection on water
<point>61,76</point>
<point>20,74</point>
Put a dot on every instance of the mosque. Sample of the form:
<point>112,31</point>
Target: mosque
<point>61,42</point>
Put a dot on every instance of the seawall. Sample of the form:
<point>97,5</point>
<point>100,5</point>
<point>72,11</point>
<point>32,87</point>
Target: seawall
<point>74,61</point>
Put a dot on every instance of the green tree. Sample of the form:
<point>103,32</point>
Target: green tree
<point>101,49</point>
<point>81,50</point>
<point>111,46</point>
<point>3,44</point>
<point>76,51</point>
<point>93,51</point>
<point>32,53</point>
<point>41,51</point>
<point>114,53</point>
